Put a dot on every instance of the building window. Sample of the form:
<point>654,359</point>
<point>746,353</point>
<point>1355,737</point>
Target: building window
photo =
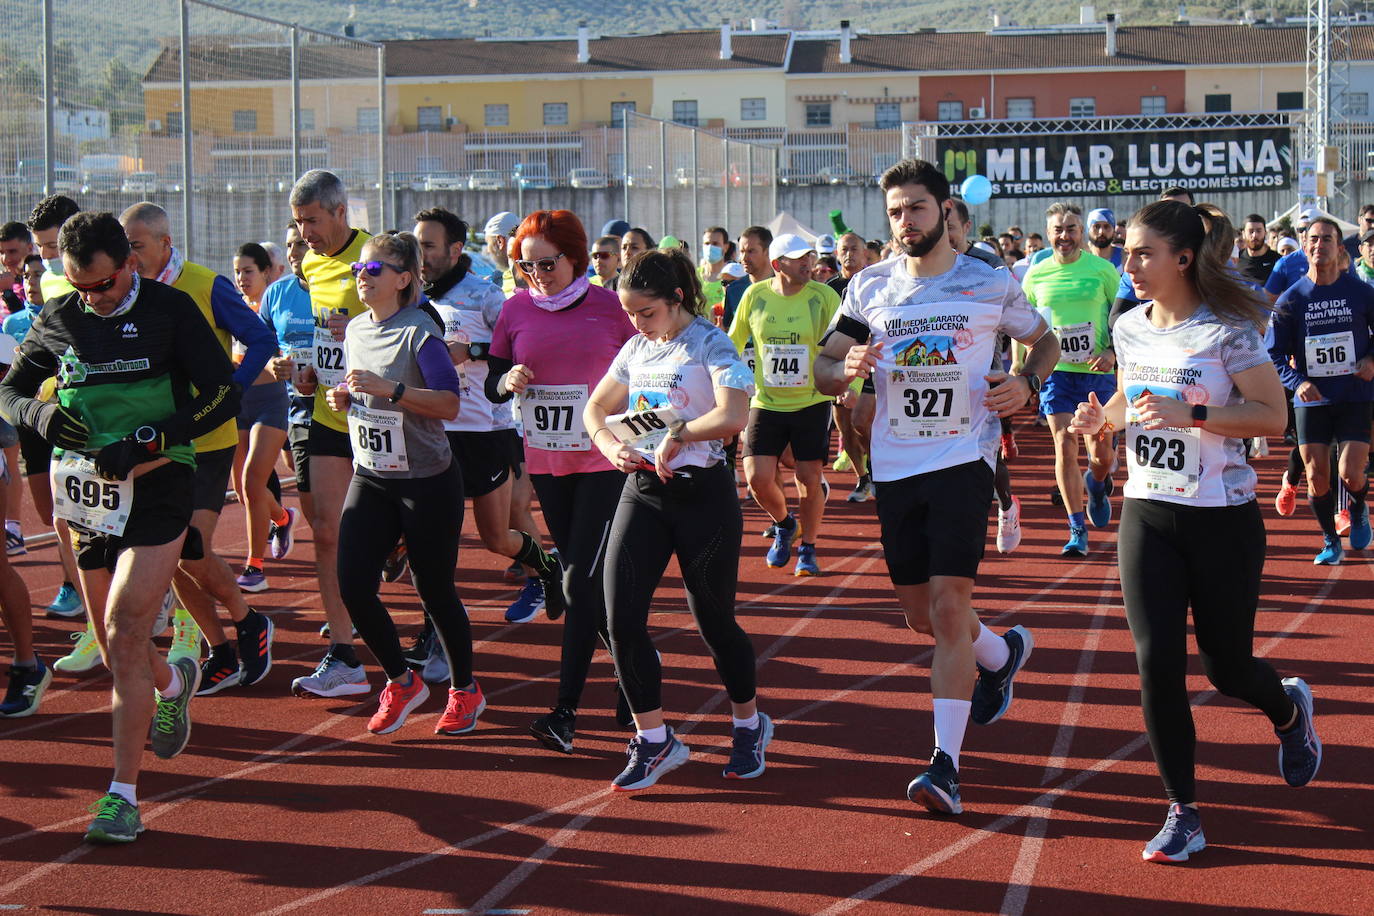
<point>1153,105</point>
<point>555,114</point>
<point>1020,109</point>
<point>429,118</point>
<point>817,114</point>
<point>173,123</point>
<point>949,111</point>
<point>307,116</point>
<point>245,121</point>
<point>1217,103</point>
<point>618,110</point>
<point>1289,101</point>
<point>1356,104</point>
<point>887,114</point>
<point>753,109</point>
<point>496,115</point>
<point>367,121</point>
<point>685,112</point>
<point>1085,107</point>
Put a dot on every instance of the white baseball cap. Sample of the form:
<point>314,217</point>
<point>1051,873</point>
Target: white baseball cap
<point>733,269</point>
<point>825,244</point>
<point>502,224</point>
<point>789,245</point>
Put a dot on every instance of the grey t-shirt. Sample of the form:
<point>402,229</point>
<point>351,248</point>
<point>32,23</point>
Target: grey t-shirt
<point>383,434</point>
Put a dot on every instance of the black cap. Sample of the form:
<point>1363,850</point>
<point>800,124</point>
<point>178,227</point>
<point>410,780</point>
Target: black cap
<point>1366,236</point>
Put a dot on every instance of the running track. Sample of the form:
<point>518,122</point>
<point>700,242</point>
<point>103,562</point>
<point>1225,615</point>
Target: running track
<point>284,805</point>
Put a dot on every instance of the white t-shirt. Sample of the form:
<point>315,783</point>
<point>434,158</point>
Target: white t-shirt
<point>939,335</point>
<point>470,309</point>
<point>682,374</point>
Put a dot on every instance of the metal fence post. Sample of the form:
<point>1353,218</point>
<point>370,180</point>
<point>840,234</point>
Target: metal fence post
<point>726,177</point>
<point>625,117</point>
<point>663,177</point>
<point>777,155</point>
<point>295,102</point>
<point>696,182</point>
<point>381,139</point>
<point>49,134</point>
<point>749,198</point>
<point>187,173</point>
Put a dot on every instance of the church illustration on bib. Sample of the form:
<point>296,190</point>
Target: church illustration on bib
<point>931,350</point>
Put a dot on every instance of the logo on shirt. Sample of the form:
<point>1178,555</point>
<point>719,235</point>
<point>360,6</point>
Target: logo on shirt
<point>129,330</point>
<point>931,350</point>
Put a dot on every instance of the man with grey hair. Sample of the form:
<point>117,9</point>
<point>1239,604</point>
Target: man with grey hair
<point>319,207</point>
<point>200,583</point>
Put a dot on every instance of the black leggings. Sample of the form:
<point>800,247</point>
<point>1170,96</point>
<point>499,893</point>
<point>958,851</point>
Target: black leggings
<point>700,521</point>
<point>428,511</point>
<point>1211,558</point>
<point>578,509</point>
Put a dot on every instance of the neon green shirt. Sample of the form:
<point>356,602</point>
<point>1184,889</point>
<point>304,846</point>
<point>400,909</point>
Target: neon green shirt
<point>333,289</point>
<point>787,332</point>
<point>1075,300</point>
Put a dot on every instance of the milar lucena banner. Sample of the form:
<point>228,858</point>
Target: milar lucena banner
<point>1051,165</point>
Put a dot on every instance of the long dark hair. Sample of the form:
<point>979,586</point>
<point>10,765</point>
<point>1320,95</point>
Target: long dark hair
<point>1206,231</point>
<point>666,275</point>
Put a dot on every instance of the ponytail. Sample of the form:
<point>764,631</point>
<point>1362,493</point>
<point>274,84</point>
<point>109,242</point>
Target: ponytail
<point>667,275</point>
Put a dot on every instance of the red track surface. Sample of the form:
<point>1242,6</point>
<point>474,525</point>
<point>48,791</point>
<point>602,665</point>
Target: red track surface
<point>281,804</point>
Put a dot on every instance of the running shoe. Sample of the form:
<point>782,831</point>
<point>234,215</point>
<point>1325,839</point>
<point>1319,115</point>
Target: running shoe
<point>1180,837</point>
<point>556,729</point>
<point>862,492</point>
<point>782,545</point>
<point>937,789</point>
<point>1009,526</point>
<point>842,463</point>
<point>460,715</point>
<point>14,542</point>
<point>1077,545</point>
<point>1259,447</point>
<point>1359,527</point>
<point>528,603</point>
<point>84,656</point>
<point>171,727</point>
<point>992,691</point>
<point>1300,750</point>
<point>746,750</point>
<point>514,573</point>
<point>67,605</point>
<point>186,637</point>
<point>1099,500</point>
<point>255,647</point>
<point>418,652</point>
<point>649,761</point>
<point>281,538</point>
<point>555,601</point>
<point>219,671</point>
<point>1009,450</point>
<point>806,561</point>
<point>395,564</point>
<point>1332,553</point>
<point>325,631</point>
<point>25,691</point>
<point>1286,502</point>
<point>435,668</point>
<point>251,580</point>
<point>164,614</point>
<point>395,704</point>
<point>116,821</point>
<point>770,532</point>
<point>1342,521</point>
<point>333,677</point>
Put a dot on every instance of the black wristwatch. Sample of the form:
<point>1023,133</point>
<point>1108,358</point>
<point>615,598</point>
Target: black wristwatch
<point>478,350</point>
<point>147,437</point>
<point>1199,414</point>
<point>1033,380</point>
<point>398,392</point>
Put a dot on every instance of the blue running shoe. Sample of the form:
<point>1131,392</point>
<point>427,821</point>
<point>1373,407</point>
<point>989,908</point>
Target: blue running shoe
<point>67,605</point>
<point>1099,501</point>
<point>806,561</point>
<point>782,544</point>
<point>746,750</point>
<point>1077,545</point>
<point>1180,837</point>
<point>992,691</point>
<point>1359,527</point>
<point>937,789</point>
<point>1331,554</point>
<point>529,603</point>
<point>649,761</point>
<point>1300,750</point>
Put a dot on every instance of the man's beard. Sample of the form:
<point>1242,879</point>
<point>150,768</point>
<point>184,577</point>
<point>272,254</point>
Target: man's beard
<point>1103,242</point>
<point>926,245</point>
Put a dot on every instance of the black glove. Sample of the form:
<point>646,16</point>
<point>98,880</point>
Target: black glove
<point>116,460</point>
<point>58,425</point>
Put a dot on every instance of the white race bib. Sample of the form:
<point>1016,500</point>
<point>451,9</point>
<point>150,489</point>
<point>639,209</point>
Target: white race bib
<point>1167,461</point>
<point>749,357</point>
<point>83,498</point>
<point>302,357</point>
<point>552,418</point>
<point>331,365</point>
<point>786,366</point>
<point>1077,342</point>
<point>928,401</point>
<point>1330,354</point>
<point>643,430</point>
<point>378,438</point>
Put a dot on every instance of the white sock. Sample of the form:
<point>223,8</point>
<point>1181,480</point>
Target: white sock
<point>990,650</point>
<point>126,789</point>
<point>951,718</point>
<point>751,722</point>
<point>654,735</point>
<point>174,688</point>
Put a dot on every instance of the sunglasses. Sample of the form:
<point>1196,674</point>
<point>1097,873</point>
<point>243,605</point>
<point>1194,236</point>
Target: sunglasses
<point>546,265</point>
<point>373,268</point>
<point>99,286</point>
<point>601,255</point>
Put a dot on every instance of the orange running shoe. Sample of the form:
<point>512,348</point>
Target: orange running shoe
<point>1286,502</point>
<point>397,701</point>
<point>464,707</point>
<point>1343,522</point>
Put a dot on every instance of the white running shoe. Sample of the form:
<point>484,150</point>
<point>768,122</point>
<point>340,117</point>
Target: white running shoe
<point>332,678</point>
<point>1009,527</point>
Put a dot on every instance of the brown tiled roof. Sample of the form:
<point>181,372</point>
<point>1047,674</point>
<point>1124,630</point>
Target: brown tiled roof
<point>247,58</point>
<point>1143,46</point>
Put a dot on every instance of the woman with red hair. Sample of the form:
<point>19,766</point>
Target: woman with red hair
<point>552,344</point>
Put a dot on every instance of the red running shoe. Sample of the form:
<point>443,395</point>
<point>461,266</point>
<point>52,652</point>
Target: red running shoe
<point>397,701</point>
<point>464,707</point>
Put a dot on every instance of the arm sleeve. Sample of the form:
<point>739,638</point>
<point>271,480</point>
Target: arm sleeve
<point>620,366</point>
<point>1019,320</point>
<point>1279,351</point>
<point>491,303</point>
<point>34,365</point>
<point>497,366</point>
<point>1276,285</point>
<point>234,316</point>
<point>1119,307</point>
<point>436,368</point>
<point>208,368</point>
<point>739,327</point>
<point>1241,349</point>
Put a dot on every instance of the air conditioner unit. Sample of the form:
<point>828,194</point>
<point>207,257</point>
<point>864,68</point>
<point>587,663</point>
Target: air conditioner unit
<point>154,125</point>
<point>976,114</point>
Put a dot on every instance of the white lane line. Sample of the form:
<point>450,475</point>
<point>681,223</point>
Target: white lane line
<point>526,868</point>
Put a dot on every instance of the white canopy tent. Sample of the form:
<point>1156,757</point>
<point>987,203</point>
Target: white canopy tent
<point>1292,214</point>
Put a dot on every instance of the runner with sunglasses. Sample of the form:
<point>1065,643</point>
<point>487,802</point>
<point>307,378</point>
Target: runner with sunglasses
<point>551,345</point>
